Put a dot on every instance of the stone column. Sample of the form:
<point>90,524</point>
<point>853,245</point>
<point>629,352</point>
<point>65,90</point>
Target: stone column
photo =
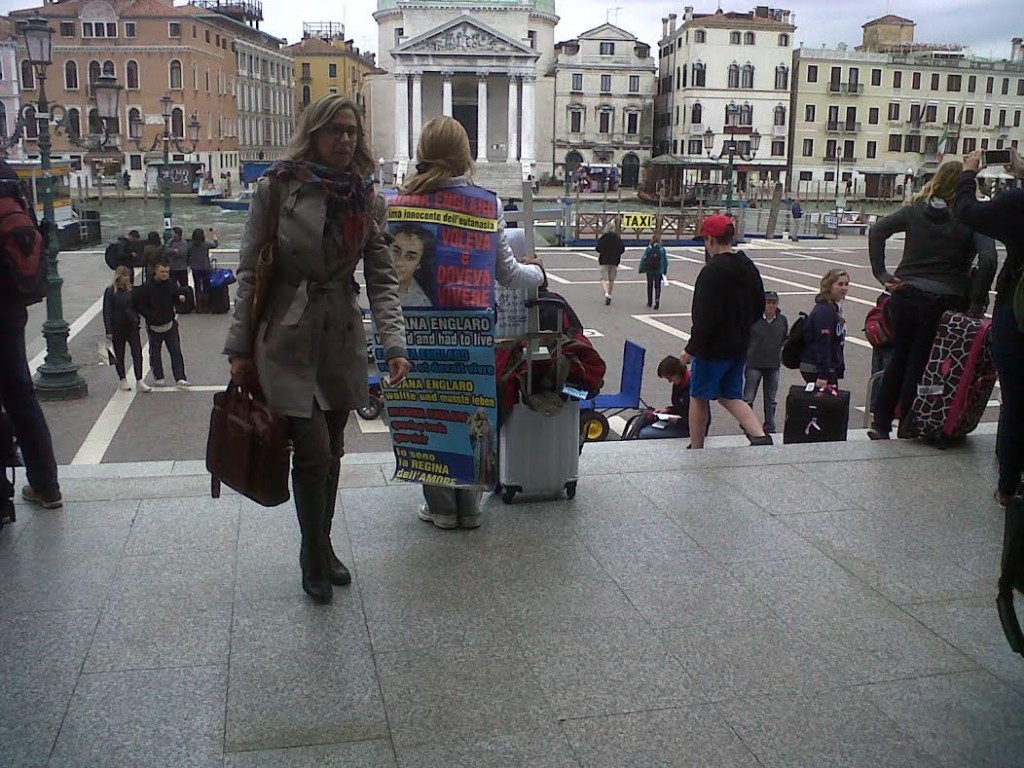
<point>417,110</point>
<point>401,118</point>
<point>529,125</point>
<point>446,105</point>
<point>513,118</point>
<point>481,119</point>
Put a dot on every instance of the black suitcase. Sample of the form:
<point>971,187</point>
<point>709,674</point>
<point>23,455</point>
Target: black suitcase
<point>218,300</point>
<point>820,416</point>
<point>188,306</point>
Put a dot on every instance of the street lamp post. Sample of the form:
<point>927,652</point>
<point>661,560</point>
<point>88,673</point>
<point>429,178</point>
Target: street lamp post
<point>730,148</point>
<point>57,378</point>
<point>839,159</point>
<point>135,132</point>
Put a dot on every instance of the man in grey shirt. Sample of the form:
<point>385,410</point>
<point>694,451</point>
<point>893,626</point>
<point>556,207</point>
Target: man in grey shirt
<point>764,357</point>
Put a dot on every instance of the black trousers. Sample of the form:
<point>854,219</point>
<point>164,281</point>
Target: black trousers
<point>653,287</point>
<point>317,442</point>
<point>180,276</point>
<point>173,342</point>
<point>129,335</point>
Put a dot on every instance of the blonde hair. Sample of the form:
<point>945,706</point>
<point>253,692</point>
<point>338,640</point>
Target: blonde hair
<point>831,277</point>
<point>943,184</point>
<point>442,153</point>
<point>319,114</point>
<point>122,277</point>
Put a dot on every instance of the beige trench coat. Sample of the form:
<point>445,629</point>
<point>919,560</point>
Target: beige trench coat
<point>311,342</point>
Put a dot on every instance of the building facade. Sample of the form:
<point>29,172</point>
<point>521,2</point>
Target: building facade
<point>484,62</point>
<point>870,121</point>
<point>326,63</point>
<point>604,102</point>
<point>10,101</point>
<point>714,62</point>
<point>153,49</point>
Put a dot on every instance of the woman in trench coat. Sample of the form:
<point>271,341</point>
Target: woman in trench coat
<point>308,354</point>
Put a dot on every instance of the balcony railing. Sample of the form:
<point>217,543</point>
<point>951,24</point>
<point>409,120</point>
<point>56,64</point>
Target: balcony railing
<point>696,129</point>
<point>914,125</point>
<point>852,89</point>
<point>931,157</point>
<point>841,158</point>
<point>779,130</point>
<point>842,127</point>
<point>1003,130</point>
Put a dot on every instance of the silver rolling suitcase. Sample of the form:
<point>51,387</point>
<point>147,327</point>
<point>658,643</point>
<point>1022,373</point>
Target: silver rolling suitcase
<point>538,454</point>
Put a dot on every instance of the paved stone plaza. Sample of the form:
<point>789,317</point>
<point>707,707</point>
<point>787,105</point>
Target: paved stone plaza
<point>787,606</point>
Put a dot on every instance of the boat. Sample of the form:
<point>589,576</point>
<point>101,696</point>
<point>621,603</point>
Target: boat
<point>73,231</point>
<point>208,193</point>
<point>238,203</point>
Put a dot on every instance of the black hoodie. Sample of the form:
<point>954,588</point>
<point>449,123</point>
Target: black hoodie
<point>728,298</point>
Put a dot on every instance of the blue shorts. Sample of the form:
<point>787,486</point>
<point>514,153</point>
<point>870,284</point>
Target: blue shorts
<point>714,379</point>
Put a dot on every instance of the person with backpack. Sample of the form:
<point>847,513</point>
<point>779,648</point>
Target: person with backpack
<point>609,255</point>
<point>121,323</point>
<point>654,264</point>
<point>823,361</point>
<point>125,252</point>
<point>152,253</point>
<point>156,301</point>
<point>1003,219</point>
<point>197,255</point>
<point>878,330</point>
<point>764,356</point>
<point>932,278</point>
<point>796,213</point>
<point>23,269</point>
<point>728,297</point>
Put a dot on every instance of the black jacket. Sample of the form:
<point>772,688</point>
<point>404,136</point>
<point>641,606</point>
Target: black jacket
<point>824,335</point>
<point>119,310</point>
<point>938,250</point>
<point>1001,218</point>
<point>156,301</point>
<point>728,298</point>
<point>609,249</point>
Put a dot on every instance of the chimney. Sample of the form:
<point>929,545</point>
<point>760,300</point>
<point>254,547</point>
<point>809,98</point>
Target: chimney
<point>671,23</point>
<point>664,27</point>
<point>688,13</point>
<point>1017,49</point>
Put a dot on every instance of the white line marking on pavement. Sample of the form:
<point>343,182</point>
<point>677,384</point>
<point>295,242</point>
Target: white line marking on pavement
<point>592,333</point>
<point>662,327</point>
<point>840,263</point>
<point>96,443</point>
<point>193,388</point>
<point>854,299</point>
<point>73,330</point>
<point>557,279</point>
<point>374,426</point>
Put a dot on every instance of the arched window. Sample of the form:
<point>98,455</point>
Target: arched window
<point>94,75</point>
<point>31,123</point>
<point>748,38</point>
<point>175,74</point>
<point>734,38</point>
<point>3,121</point>
<point>177,123</point>
<point>74,122</point>
<point>747,78</point>
<point>134,116</point>
<point>696,114</point>
<point>132,75</point>
<point>573,160</point>
<point>746,114</point>
<point>780,115</point>
<point>95,124</point>
<point>70,76</point>
<point>305,95</point>
<point>28,76</point>
<point>700,76</point>
<point>784,40</point>
<point>734,75</point>
<point>700,36</point>
<point>782,78</point>
<point>108,68</point>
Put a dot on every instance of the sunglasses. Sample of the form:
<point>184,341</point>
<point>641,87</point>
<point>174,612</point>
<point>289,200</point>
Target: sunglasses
<point>350,132</point>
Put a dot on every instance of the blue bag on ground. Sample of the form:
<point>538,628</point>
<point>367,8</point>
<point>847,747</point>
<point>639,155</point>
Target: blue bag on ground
<point>220,278</point>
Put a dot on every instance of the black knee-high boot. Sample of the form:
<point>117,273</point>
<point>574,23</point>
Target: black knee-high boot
<point>309,508</point>
<point>337,573</point>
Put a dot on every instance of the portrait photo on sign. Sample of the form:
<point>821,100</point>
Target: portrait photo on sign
<point>414,251</point>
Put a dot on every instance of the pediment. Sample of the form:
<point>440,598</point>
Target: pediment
<point>465,36</point>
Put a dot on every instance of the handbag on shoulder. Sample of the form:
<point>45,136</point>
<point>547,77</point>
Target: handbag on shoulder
<point>248,448</point>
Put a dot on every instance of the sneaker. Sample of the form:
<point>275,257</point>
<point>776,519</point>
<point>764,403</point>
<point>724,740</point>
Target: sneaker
<point>142,386</point>
<point>441,521</point>
<point>607,299</point>
<point>159,383</point>
<point>45,499</point>
<point>124,386</point>
<point>876,433</point>
<point>764,439</point>
<point>472,521</point>
<point>182,384</point>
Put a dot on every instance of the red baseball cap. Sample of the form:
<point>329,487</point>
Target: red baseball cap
<point>717,225</point>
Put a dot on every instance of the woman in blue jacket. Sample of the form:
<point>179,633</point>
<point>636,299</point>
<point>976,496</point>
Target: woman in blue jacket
<point>822,360</point>
<point>654,264</point>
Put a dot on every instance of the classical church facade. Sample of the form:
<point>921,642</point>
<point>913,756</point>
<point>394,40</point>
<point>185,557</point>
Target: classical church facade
<point>487,63</point>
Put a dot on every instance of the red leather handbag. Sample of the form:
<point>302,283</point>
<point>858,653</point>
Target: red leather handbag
<point>248,448</point>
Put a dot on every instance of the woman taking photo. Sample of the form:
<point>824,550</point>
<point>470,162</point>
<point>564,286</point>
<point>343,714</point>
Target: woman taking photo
<point>932,278</point>
<point>308,354</point>
<point>443,161</point>
<point>823,360</point>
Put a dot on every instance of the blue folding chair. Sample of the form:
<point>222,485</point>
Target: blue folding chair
<point>594,413</point>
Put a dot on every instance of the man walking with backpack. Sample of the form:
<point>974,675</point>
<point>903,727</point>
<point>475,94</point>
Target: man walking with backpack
<point>22,283</point>
<point>654,264</point>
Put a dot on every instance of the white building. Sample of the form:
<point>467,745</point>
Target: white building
<point>717,61</point>
<point>483,62</point>
<point>604,102</point>
<point>890,111</point>
<point>10,99</point>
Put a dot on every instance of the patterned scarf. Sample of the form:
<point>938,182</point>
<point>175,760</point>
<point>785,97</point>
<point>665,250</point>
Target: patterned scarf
<point>349,196</point>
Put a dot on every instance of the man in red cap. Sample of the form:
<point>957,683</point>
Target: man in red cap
<point>728,298</point>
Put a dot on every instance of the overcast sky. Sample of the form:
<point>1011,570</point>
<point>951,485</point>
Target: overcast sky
<point>984,25</point>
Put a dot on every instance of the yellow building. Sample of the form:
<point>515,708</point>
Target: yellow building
<point>325,62</point>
